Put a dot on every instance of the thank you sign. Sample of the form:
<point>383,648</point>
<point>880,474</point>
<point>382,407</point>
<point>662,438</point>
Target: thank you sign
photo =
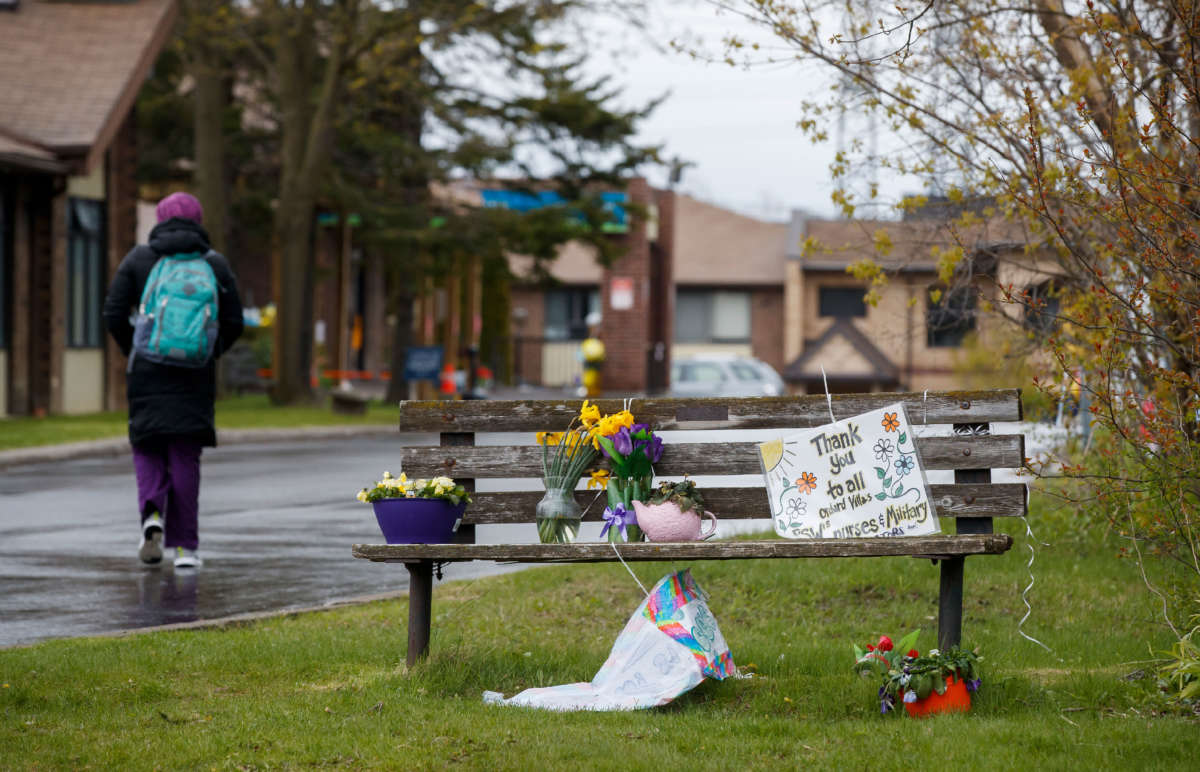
<point>857,477</point>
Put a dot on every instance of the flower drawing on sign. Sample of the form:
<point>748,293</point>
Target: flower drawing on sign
<point>890,422</point>
<point>904,465</point>
<point>807,482</point>
<point>883,450</point>
<point>796,507</point>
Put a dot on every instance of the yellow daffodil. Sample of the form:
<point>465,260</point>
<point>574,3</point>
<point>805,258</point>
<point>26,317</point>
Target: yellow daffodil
<point>589,414</point>
<point>599,479</point>
<point>549,438</point>
<point>623,419</point>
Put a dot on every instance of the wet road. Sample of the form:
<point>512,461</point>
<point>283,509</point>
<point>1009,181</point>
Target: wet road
<point>276,525</point>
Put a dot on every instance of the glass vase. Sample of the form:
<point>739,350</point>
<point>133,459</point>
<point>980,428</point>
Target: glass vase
<point>558,513</point>
<point>625,491</point>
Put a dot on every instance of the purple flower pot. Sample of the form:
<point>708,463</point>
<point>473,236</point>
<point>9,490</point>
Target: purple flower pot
<point>418,521</point>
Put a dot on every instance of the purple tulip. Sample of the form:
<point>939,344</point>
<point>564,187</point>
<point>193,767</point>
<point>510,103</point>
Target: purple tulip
<point>623,442</point>
<point>656,449</point>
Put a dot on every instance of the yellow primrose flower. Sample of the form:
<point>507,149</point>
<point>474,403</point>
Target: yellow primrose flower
<point>362,495</point>
<point>599,479</point>
<point>589,414</point>
<point>549,438</point>
<point>387,475</point>
<point>443,482</point>
<point>403,477</point>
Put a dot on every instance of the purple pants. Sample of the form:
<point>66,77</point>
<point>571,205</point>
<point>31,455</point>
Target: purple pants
<point>168,482</point>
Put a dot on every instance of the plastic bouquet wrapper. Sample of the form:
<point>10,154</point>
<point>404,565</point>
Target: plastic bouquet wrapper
<point>670,644</point>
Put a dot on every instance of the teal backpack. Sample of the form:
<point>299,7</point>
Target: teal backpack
<point>176,321</point>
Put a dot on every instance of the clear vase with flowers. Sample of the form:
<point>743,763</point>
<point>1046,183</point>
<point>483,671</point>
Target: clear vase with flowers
<point>565,456</point>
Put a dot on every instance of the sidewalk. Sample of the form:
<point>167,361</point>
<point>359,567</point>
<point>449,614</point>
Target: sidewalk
<point>119,446</point>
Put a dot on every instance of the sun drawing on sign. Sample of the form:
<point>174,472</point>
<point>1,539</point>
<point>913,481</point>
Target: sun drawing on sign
<point>778,460</point>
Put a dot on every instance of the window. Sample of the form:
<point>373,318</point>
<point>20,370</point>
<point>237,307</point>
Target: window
<point>704,316</point>
<point>841,301</point>
<point>567,311</point>
<point>85,272</point>
<point>698,372</point>
<point>1041,312</point>
<point>948,321</point>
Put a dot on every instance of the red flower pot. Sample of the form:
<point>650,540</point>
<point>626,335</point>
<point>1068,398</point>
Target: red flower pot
<point>956,700</point>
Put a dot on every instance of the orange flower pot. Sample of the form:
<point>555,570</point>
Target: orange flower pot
<point>956,700</point>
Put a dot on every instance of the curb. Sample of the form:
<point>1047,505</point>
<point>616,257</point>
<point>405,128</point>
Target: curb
<point>120,446</point>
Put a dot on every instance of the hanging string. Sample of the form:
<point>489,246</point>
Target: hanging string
<point>1025,592</point>
<point>828,396</point>
<point>925,401</point>
<point>627,568</point>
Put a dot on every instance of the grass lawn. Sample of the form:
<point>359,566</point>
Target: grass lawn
<point>331,689</point>
<point>245,412</point>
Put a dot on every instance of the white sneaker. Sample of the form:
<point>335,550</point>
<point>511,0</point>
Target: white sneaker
<point>185,558</point>
<point>150,551</point>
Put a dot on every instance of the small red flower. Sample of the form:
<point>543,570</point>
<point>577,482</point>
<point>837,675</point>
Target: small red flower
<point>870,647</point>
<point>914,653</point>
<point>885,643</point>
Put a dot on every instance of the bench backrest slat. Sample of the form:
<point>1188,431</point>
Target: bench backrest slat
<point>942,407</point>
<point>999,500</point>
<point>988,452</point>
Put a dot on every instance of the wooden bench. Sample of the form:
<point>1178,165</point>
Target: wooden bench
<point>971,501</point>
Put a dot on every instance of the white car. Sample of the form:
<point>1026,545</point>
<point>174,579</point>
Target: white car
<point>724,375</point>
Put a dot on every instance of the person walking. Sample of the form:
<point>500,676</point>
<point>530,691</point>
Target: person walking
<point>172,308</point>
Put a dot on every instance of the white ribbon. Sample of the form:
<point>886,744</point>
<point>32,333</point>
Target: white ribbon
<point>828,396</point>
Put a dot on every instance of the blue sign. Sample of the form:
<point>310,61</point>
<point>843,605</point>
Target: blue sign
<point>423,363</point>
<point>519,201</point>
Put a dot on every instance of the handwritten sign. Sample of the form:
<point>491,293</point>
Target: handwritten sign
<point>857,477</point>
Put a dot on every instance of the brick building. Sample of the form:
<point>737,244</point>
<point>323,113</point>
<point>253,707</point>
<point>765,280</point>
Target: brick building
<point>905,341</point>
<point>695,278</point>
<point>68,198</point>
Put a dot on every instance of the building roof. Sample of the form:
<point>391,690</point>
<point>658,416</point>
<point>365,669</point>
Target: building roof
<point>72,71</point>
<point>714,245</point>
<point>849,352</point>
<point>838,243</point>
<point>17,152</point>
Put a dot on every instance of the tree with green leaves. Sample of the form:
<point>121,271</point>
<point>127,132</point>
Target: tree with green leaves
<point>367,106</point>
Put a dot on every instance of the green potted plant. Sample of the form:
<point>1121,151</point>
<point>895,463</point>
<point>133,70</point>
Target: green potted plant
<point>417,511</point>
<point>934,682</point>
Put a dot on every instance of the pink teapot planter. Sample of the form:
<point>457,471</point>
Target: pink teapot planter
<point>666,522</point>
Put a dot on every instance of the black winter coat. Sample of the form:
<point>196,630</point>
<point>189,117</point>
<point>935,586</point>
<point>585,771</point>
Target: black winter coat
<point>166,401</point>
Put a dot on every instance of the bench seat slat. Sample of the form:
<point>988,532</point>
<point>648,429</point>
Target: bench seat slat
<point>725,413</point>
<point>987,452</point>
<point>983,500</point>
<point>596,552</point>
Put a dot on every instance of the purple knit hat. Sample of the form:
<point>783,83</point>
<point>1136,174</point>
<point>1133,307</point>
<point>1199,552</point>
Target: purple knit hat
<point>182,205</point>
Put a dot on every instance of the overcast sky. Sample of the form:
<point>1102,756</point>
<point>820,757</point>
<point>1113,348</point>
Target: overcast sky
<point>738,126</point>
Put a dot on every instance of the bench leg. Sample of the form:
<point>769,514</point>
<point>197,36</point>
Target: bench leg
<point>420,605</point>
<point>950,597</point>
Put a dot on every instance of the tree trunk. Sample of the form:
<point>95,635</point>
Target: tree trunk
<point>210,100</point>
<point>305,155</point>
<point>401,339</point>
